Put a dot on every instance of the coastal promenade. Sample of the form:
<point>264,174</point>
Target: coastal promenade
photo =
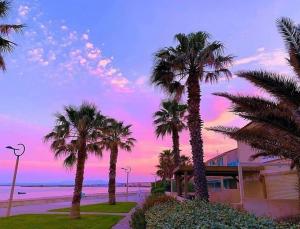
<point>43,205</point>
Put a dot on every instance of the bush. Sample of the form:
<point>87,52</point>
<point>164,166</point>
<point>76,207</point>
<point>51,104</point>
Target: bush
<point>197,214</point>
<point>157,200</point>
<point>160,186</point>
<point>138,220</point>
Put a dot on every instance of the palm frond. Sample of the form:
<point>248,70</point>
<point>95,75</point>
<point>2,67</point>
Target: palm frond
<point>6,29</point>
<point>291,35</point>
<point>283,88</point>
<point>4,8</point>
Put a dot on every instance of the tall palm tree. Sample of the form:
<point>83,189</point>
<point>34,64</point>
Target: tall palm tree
<point>74,136</point>
<point>275,127</point>
<point>5,29</point>
<point>178,69</point>
<point>116,136</point>
<point>171,119</point>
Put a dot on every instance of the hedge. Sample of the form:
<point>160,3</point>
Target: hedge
<point>138,220</point>
<point>203,215</point>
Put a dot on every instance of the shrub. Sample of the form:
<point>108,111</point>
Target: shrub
<point>158,190</point>
<point>197,214</point>
<point>160,186</point>
<point>138,220</point>
<point>156,200</point>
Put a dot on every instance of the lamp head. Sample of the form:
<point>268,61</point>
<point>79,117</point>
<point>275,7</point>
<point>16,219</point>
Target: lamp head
<point>17,151</point>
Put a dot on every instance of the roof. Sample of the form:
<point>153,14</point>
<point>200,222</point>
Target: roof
<point>218,170</point>
<point>221,155</point>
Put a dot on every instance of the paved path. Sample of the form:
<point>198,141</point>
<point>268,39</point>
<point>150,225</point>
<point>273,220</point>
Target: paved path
<point>124,223</point>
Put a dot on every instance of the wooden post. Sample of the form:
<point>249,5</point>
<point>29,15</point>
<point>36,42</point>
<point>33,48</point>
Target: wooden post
<point>12,188</point>
<point>263,183</point>
<point>185,185</point>
<point>222,183</point>
<point>241,184</point>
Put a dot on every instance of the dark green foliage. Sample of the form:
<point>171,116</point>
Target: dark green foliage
<point>138,217</point>
<point>138,220</point>
<point>160,186</point>
<point>5,29</point>
<point>201,214</point>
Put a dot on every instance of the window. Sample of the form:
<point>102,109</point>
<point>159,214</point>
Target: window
<point>220,161</point>
<point>230,183</point>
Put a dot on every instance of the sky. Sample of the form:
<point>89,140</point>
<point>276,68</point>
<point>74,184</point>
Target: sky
<point>102,52</point>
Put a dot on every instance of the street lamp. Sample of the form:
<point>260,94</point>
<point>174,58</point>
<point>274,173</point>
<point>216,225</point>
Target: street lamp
<point>17,152</point>
<point>127,171</point>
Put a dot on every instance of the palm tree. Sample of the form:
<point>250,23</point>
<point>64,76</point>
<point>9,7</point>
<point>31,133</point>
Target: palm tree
<point>166,165</point>
<point>275,127</point>
<point>177,69</point>
<point>170,119</point>
<point>74,136</point>
<point>185,161</point>
<point>5,29</point>
<point>116,135</point>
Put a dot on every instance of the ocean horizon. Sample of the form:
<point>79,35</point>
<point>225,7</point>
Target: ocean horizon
<point>34,192</point>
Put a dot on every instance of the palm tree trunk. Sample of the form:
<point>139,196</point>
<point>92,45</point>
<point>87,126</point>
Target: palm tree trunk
<point>75,210</point>
<point>112,175</point>
<point>298,187</point>
<point>176,152</point>
<point>195,127</point>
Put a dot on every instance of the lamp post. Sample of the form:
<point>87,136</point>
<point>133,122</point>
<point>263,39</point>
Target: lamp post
<point>127,171</point>
<point>17,152</point>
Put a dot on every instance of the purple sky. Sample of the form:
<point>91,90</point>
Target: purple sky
<point>102,52</point>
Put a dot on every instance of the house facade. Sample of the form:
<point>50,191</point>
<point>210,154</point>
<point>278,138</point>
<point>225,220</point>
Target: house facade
<point>271,190</point>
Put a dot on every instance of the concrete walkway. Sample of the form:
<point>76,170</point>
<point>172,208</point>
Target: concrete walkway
<point>124,223</point>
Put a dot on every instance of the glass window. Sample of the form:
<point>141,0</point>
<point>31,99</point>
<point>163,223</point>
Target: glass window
<point>230,183</point>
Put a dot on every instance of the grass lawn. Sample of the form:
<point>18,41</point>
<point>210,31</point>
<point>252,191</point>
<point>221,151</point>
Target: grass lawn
<point>58,222</point>
<point>120,207</point>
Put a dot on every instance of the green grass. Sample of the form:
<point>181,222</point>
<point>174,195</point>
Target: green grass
<point>58,222</point>
<point>120,207</point>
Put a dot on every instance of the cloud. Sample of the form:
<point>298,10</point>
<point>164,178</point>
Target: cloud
<point>64,27</point>
<point>104,62</point>
<point>85,36</point>
<point>89,45</point>
<point>58,51</point>
<point>23,10</point>
<point>275,58</point>
<point>37,55</point>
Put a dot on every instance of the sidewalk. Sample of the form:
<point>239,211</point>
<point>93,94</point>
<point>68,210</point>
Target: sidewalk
<point>124,223</point>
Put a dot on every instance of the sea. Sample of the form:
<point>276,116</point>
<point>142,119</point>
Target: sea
<point>24,192</point>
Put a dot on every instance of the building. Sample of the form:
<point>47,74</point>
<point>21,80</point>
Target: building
<point>265,186</point>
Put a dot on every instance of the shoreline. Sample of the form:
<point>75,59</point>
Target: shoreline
<point>55,199</point>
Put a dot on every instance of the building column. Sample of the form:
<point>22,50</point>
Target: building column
<point>241,184</point>
<point>264,187</point>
